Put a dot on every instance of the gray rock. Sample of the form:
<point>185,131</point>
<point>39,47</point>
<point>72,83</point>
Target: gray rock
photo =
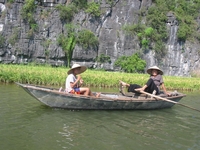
<point>30,46</point>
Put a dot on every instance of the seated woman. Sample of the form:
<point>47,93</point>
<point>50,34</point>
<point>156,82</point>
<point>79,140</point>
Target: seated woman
<point>153,84</point>
<point>74,81</point>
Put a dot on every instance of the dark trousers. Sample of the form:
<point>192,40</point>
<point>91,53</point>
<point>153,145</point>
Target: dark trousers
<point>150,87</point>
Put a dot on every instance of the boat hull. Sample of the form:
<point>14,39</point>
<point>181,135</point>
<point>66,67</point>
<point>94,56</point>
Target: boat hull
<point>56,99</point>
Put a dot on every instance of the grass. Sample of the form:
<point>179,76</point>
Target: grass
<point>50,76</point>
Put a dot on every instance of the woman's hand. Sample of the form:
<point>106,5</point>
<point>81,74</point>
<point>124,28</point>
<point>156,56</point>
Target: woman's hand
<point>76,83</point>
<point>167,93</point>
<point>81,81</point>
<point>78,77</point>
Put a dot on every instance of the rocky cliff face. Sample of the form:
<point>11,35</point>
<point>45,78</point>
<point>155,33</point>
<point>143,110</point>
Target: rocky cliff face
<point>21,45</point>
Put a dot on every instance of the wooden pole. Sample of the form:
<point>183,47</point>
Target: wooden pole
<point>165,99</point>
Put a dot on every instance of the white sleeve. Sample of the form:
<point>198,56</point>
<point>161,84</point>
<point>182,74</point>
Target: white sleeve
<point>70,79</point>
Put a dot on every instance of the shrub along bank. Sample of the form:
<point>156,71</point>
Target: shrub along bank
<point>51,76</point>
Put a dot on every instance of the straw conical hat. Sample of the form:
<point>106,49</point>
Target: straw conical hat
<point>154,67</point>
<point>83,68</point>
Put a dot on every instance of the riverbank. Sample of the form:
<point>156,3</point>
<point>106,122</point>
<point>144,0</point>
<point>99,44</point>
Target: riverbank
<point>52,76</point>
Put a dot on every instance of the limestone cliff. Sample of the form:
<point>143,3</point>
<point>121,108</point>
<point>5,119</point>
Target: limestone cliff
<point>21,45</point>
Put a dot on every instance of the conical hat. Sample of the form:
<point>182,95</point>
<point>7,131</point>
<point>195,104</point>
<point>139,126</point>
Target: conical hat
<point>83,68</point>
<point>154,67</point>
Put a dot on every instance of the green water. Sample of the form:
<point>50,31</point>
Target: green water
<point>26,124</point>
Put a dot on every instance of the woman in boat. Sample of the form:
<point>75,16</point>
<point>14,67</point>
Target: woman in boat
<point>74,81</point>
<point>153,84</point>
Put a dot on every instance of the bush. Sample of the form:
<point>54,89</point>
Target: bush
<point>66,12</point>
<point>86,38</point>
<point>131,64</point>
<point>94,9</point>
<point>80,4</point>
<point>103,58</point>
<point>27,11</point>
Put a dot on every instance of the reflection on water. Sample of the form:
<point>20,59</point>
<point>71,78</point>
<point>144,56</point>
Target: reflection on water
<point>26,124</point>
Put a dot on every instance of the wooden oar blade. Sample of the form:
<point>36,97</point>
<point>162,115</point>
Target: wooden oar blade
<point>188,107</point>
<point>165,99</point>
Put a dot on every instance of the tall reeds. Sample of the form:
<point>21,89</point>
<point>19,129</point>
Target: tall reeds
<point>52,76</point>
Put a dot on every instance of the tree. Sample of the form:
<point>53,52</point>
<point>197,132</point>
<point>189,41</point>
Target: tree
<point>68,42</point>
<point>84,38</point>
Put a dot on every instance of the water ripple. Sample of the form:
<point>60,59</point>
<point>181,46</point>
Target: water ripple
<point>27,124</point>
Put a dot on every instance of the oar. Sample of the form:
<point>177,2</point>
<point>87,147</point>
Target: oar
<point>165,99</point>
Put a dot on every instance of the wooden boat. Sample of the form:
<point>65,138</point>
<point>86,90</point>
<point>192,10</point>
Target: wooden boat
<point>107,101</point>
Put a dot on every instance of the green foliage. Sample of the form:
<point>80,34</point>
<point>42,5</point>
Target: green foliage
<point>157,31</point>
<point>2,40</point>
<point>133,29</point>
<point>154,32</point>
<point>148,32</point>
<point>30,18</point>
<point>14,37</point>
<point>131,64</point>
<point>27,11</point>
<point>183,31</point>
<point>156,19</point>
<point>32,30</point>
<point>45,43</point>
<point>160,51</point>
<point>145,43</point>
<point>186,13</point>
<point>94,9</point>
<point>66,12</point>
<point>47,75</point>
<point>47,53</point>
<point>45,13</point>
<point>146,37</point>
<point>86,39</point>
<point>197,36</point>
<point>68,42</point>
<point>34,26</point>
<point>11,1</point>
<point>144,34</point>
<point>103,58</point>
<point>111,2</point>
<point>80,4</point>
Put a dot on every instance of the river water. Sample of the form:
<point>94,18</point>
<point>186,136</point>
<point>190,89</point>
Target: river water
<point>26,124</point>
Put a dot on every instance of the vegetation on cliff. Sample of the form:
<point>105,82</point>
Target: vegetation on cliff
<point>68,41</point>
<point>186,13</point>
<point>150,29</point>
<point>74,34</point>
<point>27,13</point>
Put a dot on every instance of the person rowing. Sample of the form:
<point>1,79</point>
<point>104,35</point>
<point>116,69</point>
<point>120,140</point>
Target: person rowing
<point>152,85</point>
